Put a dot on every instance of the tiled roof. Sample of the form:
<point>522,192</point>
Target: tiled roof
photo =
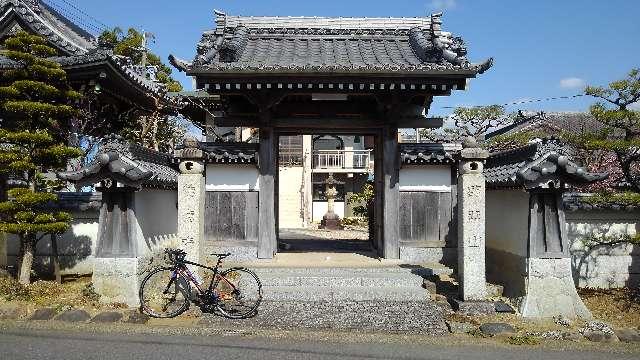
<point>127,163</point>
<point>120,63</point>
<point>428,154</point>
<point>330,45</point>
<point>43,20</point>
<point>550,123</point>
<point>77,47</point>
<point>578,201</point>
<point>536,165</point>
<point>77,201</point>
<point>222,153</point>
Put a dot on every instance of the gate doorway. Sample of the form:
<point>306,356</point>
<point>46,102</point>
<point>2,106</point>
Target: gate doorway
<point>319,174</point>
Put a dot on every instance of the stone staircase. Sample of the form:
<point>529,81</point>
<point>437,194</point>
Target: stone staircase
<point>386,283</point>
<point>289,197</point>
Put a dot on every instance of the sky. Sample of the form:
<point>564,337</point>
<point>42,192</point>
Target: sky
<point>541,48</point>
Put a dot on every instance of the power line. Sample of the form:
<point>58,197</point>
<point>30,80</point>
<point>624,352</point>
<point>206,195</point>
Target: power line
<point>526,101</point>
<point>71,16</point>
<point>81,20</point>
<point>85,14</point>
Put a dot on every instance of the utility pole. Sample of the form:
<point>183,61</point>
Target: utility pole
<point>143,47</point>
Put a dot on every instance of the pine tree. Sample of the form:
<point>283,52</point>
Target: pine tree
<point>621,132</point>
<point>34,99</point>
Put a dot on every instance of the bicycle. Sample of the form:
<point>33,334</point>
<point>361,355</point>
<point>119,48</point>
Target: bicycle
<point>166,292</point>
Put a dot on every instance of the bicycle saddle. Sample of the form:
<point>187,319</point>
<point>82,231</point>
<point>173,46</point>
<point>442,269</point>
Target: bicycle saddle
<point>221,256</point>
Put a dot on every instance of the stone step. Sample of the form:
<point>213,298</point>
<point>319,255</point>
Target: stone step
<point>346,271</point>
<point>332,280</point>
<point>343,293</point>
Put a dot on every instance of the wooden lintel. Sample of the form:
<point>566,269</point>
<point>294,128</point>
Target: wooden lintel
<point>331,123</point>
<point>420,122</point>
<point>237,122</point>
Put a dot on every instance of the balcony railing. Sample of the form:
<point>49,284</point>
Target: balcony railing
<point>342,159</point>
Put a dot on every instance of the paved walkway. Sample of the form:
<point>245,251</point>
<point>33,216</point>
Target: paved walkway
<point>419,317</point>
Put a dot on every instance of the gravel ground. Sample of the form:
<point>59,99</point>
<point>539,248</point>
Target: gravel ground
<point>318,240</point>
<point>414,317</point>
<point>350,233</point>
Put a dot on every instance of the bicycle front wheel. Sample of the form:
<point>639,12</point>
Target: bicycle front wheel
<point>164,294</point>
<point>239,293</point>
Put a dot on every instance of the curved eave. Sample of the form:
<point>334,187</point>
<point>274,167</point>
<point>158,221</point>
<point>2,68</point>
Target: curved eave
<point>125,87</point>
<point>552,170</point>
<point>40,27</point>
<point>286,72</point>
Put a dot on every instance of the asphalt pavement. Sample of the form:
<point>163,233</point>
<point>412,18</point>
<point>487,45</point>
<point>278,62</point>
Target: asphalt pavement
<point>19,344</point>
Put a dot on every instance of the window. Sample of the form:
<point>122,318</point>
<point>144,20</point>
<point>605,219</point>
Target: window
<point>290,150</point>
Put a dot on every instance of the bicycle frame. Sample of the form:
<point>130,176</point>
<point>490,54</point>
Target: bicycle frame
<point>182,269</point>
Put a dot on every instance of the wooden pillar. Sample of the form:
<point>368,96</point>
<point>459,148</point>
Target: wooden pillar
<point>391,193</point>
<point>267,242</point>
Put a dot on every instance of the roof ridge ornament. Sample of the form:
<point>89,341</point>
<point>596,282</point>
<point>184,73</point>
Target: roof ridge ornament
<point>34,5</point>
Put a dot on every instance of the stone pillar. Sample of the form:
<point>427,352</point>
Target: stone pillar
<point>191,199</point>
<point>471,223</point>
<point>549,286</point>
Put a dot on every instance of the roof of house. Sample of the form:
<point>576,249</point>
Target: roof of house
<point>313,45</point>
<point>123,162</point>
<point>550,123</point>
<point>428,154</point>
<point>37,17</point>
<point>543,163</point>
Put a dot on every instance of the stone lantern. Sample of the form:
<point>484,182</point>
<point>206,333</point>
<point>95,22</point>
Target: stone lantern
<point>331,220</point>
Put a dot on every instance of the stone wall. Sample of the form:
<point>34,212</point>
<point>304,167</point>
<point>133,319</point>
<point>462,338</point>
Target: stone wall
<point>604,267</point>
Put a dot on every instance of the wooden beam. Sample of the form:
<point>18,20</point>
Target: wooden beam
<point>237,122</point>
<point>327,124</point>
<point>420,122</point>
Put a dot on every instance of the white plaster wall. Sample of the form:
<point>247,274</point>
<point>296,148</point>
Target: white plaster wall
<point>75,247</point>
<point>604,267</point>
<point>231,177</point>
<point>320,208</point>
<point>425,178</point>
<point>157,214</point>
<point>507,220</point>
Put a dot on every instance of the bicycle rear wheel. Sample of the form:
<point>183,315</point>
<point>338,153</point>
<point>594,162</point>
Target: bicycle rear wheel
<point>164,294</point>
<point>239,293</point>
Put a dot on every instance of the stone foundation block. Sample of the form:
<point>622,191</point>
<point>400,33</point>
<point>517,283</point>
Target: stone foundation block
<point>550,290</point>
<point>117,280</point>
